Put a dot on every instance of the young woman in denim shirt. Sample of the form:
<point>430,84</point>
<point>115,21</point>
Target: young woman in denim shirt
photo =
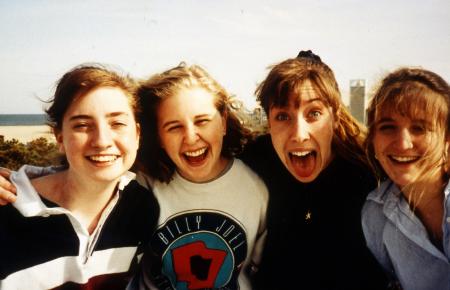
<point>406,220</point>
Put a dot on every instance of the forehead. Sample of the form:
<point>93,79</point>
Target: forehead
<point>101,99</point>
<point>404,110</point>
<point>394,116</point>
<point>300,95</point>
<point>187,101</point>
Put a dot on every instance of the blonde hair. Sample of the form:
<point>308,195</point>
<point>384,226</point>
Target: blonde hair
<point>152,159</point>
<point>417,94</point>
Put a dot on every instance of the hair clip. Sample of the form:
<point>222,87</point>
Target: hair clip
<point>309,54</point>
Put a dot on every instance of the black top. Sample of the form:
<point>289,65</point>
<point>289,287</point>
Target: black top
<point>315,239</point>
<point>36,240</point>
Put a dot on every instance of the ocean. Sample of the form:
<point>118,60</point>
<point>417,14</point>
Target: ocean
<point>22,119</point>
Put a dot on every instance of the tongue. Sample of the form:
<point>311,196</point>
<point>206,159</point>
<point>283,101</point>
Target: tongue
<point>195,160</point>
<point>304,166</point>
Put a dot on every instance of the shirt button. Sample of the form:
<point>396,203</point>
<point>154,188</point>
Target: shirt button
<point>45,215</point>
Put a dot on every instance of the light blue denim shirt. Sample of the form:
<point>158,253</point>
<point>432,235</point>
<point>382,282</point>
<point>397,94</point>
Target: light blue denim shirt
<point>400,242</point>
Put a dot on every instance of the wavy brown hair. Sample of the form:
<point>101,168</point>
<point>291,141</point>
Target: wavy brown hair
<point>81,80</point>
<point>287,77</point>
<point>78,82</point>
<point>152,159</point>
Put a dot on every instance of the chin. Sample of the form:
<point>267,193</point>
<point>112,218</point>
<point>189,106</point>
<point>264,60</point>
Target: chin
<point>304,179</point>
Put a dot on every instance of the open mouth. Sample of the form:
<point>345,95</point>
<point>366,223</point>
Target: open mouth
<point>403,159</point>
<point>196,157</point>
<point>102,159</point>
<point>303,162</point>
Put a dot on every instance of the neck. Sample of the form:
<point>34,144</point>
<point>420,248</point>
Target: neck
<point>427,202</point>
<point>421,193</point>
<point>86,200</point>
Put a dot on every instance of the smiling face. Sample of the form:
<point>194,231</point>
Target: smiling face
<point>401,145</point>
<point>191,132</point>
<point>302,133</point>
<point>99,135</point>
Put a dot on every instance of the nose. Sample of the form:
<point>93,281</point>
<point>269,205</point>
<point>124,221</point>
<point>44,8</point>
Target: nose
<point>405,139</point>
<point>102,137</point>
<point>191,134</point>
<point>300,129</point>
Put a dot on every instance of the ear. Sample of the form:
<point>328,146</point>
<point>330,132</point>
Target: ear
<point>224,122</point>
<point>335,116</point>
<point>138,133</point>
<point>268,120</point>
<point>446,154</point>
<point>59,140</point>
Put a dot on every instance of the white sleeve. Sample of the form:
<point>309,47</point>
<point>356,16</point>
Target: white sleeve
<point>37,171</point>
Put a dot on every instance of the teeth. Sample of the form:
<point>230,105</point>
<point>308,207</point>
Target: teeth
<point>301,153</point>
<point>195,153</point>
<point>404,158</point>
<point>103,158</point>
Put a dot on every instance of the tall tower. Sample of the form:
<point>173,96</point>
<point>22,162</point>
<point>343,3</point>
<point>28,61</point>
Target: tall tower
<point>357,99</point>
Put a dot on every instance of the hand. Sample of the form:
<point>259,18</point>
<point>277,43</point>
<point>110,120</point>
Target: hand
<point>7,189</point>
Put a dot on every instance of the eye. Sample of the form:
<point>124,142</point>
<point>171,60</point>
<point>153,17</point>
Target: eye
<point>282,116</point>
<point>173,128</point>
<point>315,114</point>
<point>418,129</point>
<point>386,127</point>
<point>118,124</point>
<point>202,122</point>
<point>81,126</point>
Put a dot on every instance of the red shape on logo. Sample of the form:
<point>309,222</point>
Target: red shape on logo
<point>197,265</point>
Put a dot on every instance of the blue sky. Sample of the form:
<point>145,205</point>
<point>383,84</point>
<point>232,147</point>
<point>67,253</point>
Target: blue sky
<point>234,40</point>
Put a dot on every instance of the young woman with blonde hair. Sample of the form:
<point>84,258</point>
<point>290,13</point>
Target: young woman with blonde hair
<point>406,220</point>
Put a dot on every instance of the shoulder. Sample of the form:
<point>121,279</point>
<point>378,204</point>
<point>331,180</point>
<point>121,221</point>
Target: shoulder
<point>140,199</point>
<point>262,158</point>
<point>144,180</point>
<point>355,179</point>
<point>257,151</point>
<point>135,189</point>
<point>245,173</point>
<point>27,195</point>
<point>381,194</point>
<point>373,211</point>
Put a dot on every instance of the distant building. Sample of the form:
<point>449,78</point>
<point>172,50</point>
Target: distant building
<point>357,99</point>
<point>255,119</point>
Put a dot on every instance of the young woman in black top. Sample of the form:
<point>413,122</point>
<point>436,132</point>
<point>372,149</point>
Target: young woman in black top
<point>313,163</point>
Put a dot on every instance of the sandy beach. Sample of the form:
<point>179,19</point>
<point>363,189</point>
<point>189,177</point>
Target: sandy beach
<point>26,133</point>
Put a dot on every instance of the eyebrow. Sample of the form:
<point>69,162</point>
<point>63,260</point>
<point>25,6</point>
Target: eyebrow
<point>109,115</point>
<point>388,119</point>
<point>298,101</point>
<point>316,100</point>
<point>169,123</point>
<point>383,120</point>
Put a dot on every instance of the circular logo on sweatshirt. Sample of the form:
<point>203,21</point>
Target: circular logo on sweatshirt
<point>200,250</point>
